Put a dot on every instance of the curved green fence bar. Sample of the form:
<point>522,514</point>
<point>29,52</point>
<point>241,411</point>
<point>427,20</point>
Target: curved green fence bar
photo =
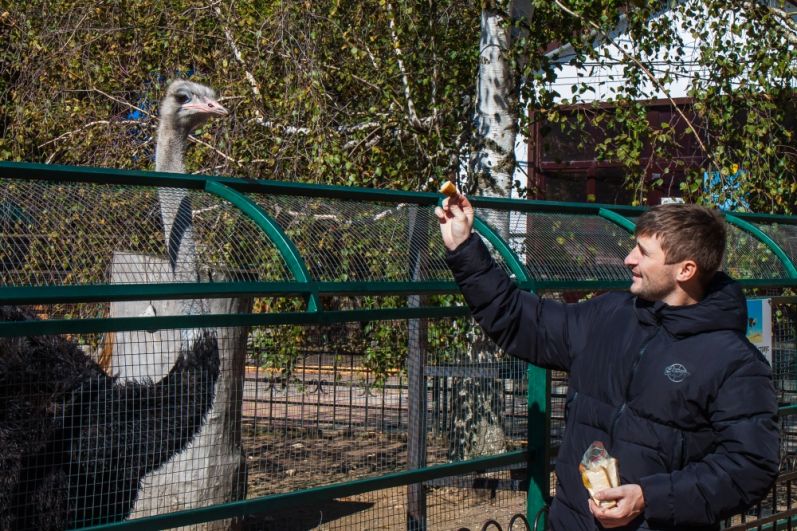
<point>617,219</point>
<point>766,240</point>
<point>264,221</point>
<point>506,252</point>
<point>537,399</point>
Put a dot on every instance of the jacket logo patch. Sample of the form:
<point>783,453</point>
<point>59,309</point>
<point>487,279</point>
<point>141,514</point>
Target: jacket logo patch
<point>676,372</point>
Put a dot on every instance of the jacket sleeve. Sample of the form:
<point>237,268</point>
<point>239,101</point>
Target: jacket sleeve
<point>743,466</point>
<point>523,325</point>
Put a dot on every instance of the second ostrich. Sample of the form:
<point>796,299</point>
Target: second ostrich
<point>75,442</point>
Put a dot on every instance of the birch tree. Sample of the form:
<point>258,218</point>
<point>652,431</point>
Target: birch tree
<point>477,420</point>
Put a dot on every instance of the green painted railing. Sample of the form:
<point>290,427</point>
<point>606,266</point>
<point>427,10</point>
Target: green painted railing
<point>110,176</point>
<point>236,191</point>
<point>86,326</point>
<point>130,292</point>
<point>304,498</point>
<point>284,244</point>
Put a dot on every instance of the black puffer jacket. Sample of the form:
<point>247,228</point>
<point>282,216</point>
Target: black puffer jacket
<point>677,394</point>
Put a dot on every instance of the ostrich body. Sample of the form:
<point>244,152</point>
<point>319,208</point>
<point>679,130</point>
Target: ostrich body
<point>211,469</point>
<point>76,442</point>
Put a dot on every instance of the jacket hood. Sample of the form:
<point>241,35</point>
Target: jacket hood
<point>722,308</point>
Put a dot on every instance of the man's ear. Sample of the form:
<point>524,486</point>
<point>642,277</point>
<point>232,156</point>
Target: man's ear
<point>687,270</point>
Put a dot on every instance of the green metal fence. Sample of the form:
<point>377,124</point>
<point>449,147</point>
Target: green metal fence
<point>349,392</point>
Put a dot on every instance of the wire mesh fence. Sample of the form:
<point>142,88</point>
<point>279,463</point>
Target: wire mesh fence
<point>465,501</point>
<point>331,418</point>
<point>323,418</point>
<point>120,237</point>
<point>136,406</point>
<point>111,447</point>
<point>354,241</point>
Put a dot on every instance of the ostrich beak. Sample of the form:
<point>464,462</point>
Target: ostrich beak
<point>207,106</point>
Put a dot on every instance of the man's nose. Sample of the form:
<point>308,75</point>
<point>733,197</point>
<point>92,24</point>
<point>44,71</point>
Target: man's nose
<point>630,260</point>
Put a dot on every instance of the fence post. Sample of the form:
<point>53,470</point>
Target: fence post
<point>416,390</point>
<point>539,386</point>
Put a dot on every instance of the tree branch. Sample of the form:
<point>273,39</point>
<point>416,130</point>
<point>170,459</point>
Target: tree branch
<point>648,74</point>
<point>92,124</point>
<point>239,57</point>
<point>413,116</point>
<point>784,19</point>
<point>123,102</point>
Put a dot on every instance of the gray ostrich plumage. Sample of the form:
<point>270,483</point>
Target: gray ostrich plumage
<point>186,107</point>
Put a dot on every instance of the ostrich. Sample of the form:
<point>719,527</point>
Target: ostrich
<point>179,483</point>
<point>76,442</point>
<point>185,107</point>
<point>77,447</point>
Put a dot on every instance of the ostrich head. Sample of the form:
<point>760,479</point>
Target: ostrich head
<point>185,107</point>
<point>188,105</point>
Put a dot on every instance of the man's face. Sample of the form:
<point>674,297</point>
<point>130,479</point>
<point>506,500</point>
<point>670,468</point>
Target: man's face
<point>652,279</point>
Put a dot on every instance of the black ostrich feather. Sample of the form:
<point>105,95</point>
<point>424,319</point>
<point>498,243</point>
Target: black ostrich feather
<point>75,442</point>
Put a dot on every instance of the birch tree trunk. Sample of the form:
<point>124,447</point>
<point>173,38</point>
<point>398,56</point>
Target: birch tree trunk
<point>476,427</point>
<point>493,161</point>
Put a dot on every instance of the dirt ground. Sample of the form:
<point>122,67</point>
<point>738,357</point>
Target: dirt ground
<point>294,459</point>
<point>447,509</point>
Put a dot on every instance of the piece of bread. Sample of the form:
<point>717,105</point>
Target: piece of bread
<point>448,189</point>
<point>600,477</point>
<point>613,472</point>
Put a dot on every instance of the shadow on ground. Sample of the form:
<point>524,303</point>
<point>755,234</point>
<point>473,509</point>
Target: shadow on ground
<point>298,518</point>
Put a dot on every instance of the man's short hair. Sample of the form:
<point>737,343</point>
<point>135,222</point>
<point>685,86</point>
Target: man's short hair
<point>687,232</point>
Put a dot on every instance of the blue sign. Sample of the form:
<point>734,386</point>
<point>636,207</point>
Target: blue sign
<point>759,325</point>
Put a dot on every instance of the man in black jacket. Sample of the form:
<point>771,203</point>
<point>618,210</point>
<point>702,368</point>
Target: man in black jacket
<point>663,376</point>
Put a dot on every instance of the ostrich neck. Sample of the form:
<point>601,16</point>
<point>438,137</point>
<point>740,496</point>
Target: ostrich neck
<point>175,205</point>
<point>170,149</point>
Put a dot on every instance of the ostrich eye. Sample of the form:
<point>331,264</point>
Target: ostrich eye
<point>181,98</point>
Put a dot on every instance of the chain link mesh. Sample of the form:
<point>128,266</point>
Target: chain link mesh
<point>77,234</point>
<point>314,405</point>
<point>748,257</point>
<point>784,235</point>
<point>353,241</point>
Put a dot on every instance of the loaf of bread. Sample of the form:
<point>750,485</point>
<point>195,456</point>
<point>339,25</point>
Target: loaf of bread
<point>448,189</point>
<point>599,471</point>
